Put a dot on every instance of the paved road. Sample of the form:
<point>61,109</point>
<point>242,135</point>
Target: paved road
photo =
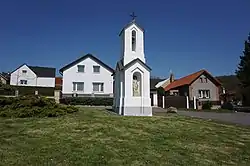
<point>236,118</point>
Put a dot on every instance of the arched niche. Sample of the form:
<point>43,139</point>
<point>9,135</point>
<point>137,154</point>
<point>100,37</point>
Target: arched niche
<point>137,84</point>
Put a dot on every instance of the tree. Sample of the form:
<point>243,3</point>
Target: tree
<point>243,72</point>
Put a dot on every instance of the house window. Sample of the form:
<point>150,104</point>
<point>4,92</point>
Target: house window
<point>98,87</point>
<point>205,80</point>
<point>96,69</point>
<point>204,94</point>
<point>133,40</point>
<point>80,68</point>
<point>24,71</point>
<point>201,80</point>
<point>78,86</point>
<point>23,82</point>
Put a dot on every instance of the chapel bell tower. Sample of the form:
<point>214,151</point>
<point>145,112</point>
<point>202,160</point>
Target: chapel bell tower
<point>132,42</point>
<point>132,74</point>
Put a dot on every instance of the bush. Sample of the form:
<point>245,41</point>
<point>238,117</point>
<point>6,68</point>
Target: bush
<point>207,105</point>
<point>6,90</point>
<point>227,105</point>
<point>32,106</point>
<point>93,101</point>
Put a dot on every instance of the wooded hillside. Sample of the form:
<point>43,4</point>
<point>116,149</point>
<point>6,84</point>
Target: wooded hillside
<point>230,83</point>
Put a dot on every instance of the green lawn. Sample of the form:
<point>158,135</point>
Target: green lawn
<point>97,137</point>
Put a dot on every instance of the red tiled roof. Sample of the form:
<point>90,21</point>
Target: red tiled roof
<point>58,81</point>
<point>187,80</point>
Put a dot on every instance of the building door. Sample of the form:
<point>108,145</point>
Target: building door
<point>152,99</point>
<point>160,101</point>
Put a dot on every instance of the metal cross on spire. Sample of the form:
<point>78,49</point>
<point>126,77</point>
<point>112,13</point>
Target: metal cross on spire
<point>133,16</point>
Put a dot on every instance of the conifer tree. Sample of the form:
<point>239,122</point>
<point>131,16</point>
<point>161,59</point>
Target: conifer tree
<point>243,72</point>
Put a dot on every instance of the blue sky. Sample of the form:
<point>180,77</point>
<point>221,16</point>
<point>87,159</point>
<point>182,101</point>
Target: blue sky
<point>182,36</point>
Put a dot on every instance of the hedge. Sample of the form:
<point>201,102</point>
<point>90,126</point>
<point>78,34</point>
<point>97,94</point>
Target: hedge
<point>28,90</point>
<point>32,106</point>
<point>93,101</point>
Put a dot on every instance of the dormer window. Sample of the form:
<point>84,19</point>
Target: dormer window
<point>133,40</point>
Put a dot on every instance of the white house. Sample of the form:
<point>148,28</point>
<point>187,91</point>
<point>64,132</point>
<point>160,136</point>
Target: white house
<point>159,84</point>
<point>156,83</point>
<point>3,79</point>
<point>132,75</point>
<point>26,75</point>
<point>87,76</point>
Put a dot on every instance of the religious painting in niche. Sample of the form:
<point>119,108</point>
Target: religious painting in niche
<point>136,84</point>
<point>133,40</point>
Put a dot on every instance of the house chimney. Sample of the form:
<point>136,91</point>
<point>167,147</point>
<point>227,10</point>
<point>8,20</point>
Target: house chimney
<point>171,77</point>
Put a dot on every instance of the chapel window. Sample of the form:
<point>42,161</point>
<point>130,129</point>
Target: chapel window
<point>133,40</point>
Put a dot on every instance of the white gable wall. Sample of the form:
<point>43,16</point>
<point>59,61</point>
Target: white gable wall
<point>71,75</point>
<point>17,76</point>
<point>31,77</point>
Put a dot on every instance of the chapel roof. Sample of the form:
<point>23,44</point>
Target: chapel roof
<point>129,24</point>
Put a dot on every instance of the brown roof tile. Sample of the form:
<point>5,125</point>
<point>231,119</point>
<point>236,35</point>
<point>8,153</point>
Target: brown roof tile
<point>187,80</point>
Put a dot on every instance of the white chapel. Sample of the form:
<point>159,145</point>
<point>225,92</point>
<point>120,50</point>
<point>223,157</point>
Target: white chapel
<point>132,74</point>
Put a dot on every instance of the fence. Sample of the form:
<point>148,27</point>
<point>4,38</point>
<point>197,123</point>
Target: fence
<point>175,101</point>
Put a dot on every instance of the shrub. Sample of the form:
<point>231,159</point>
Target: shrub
<point>93,101</point>
<point>32,106</point>
<point>227,105</point>
<point>7,90</point>
<point>207,105</point>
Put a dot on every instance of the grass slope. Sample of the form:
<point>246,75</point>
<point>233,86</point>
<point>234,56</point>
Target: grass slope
<point>96,137</point>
